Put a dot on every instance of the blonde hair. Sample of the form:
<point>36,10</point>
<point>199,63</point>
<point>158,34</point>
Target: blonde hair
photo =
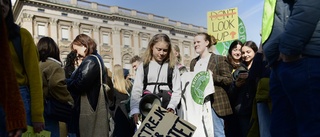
<point>119,82</point>
<point>171,59</point>
<point>177,49</point>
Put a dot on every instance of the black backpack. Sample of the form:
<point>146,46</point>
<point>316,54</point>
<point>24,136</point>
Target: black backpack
<point>164,94</point>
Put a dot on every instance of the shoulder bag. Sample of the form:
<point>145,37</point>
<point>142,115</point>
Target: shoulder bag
<point>94,123</point>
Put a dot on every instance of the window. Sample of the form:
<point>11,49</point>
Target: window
<point>127,65</point>
<point>105,38</point>
<point>65,33</point>
<point>41,29</point>
<point>127,40</point>
<point>86,31</point>
<point>108,65</point>
<point>64,14</point>
<point>144,42</point>
<point>186,50</point>
<point>40,10</point>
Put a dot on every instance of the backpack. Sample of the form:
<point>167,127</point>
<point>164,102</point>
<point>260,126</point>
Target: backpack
<point>165,95</point>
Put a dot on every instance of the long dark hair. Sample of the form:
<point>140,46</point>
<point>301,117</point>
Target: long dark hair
<point>48,48</point>
<point>70,63</point>
<point>229,56</point>
<point>14,28</point>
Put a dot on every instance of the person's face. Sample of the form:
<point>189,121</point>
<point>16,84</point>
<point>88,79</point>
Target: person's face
<point>80,49</point>
<point>236,52</point>
<point>5,6</point>
<point>160,51</point>
<point>135,65</point>
<point>200,44</point>
<point>247,53</point>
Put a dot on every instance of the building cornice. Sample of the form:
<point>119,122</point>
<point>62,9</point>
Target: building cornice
<point>114,14</point>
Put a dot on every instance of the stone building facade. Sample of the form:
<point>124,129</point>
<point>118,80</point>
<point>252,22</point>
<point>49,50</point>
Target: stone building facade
<point>120,33</point>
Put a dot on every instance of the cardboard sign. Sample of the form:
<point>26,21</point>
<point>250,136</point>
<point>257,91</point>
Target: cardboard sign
<point>223,24</point>
<point>160,123</point>
<point>30,133</point>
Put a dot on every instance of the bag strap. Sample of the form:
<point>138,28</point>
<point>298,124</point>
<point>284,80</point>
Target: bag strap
<point>169,77</point>
<point>145,78</point>
<point>100,66</point>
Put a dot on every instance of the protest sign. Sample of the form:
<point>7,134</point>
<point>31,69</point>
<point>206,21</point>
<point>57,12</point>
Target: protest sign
<point>223,24</point>
<point>160,123</point>
<point>195,101</point>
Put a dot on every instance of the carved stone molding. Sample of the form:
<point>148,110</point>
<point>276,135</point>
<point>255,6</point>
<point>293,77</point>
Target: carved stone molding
<point>75,25</point>
<point>106,52</point>
<point>126,50</point>
<point>53,21</point>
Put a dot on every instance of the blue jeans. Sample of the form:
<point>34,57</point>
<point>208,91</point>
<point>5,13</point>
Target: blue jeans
<point>25,94</point>
<point>52,126</point>
<point>295,94</point>
<point>264,115</point>
<point>218,125</point>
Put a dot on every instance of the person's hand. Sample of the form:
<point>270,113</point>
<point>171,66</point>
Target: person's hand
<point>16,133</point>
<point>136,118</point>
<point>38,127</point>
<point>286,58</point>
<point>170,110</point>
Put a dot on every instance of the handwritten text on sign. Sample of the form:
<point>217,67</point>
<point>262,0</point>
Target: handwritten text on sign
<point>161,123</point>
<point>223,24</point>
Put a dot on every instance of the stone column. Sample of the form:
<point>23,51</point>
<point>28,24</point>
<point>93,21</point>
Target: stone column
<point>136,46</point>
<point>27,22</point>
<point>116,37</point>
<point>96,37</point>
<point>181,47</point>
<point>75,30</point>
<point>53,30</point>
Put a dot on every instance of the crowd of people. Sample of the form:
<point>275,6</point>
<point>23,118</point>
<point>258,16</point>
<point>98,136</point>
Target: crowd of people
<point>280,76</point>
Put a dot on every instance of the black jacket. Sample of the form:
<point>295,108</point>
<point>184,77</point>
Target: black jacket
<point>86,79</point>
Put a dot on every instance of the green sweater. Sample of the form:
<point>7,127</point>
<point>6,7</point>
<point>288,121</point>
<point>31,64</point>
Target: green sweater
<point>31,77</point>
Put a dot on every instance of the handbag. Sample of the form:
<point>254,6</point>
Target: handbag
<point>57,110</point>
<point>94,123</point>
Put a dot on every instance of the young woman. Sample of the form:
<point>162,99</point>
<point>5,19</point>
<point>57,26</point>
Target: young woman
<point>158,57</point>
<point>234,54</point>
<point>221,74</point>
<point>86,78</point>
<point>243,89</point>
<point>25,66</point>
<point>53,79</point>
<point>234,59</point>
<point>122,88</point>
